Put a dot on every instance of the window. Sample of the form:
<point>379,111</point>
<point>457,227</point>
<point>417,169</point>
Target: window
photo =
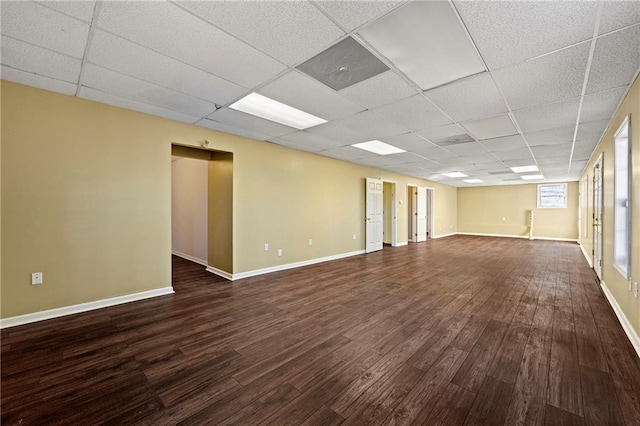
<point>621,213</point>
<point>552,196</point>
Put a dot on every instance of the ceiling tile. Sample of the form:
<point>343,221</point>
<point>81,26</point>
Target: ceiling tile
<point>578,166</point>
<point>510,32</point>
<point>293,145</point>
<point>121,55</point>
<point>559,114</point>
<point>39,81</point>
<point>299,91</point>
<point>545,80</point>
<point>379,90</point>
<point>517,163</point>
<point>615,60</point>
<point>189,39</point>
<point>393,159</point>
<point>44,27</point>
<point>435,154</point>
<point>414,113</point>
<point>409,142</point>
<point>591,132</point>
<point>542,151</point>
<point>554,159</point>
<point>250,122</point>
<point>117,101</point>
<point>334,131</point>
<point>515,154</point>
<point>467,149</point>
<point>351,14</point>
<point>137,90</point>
<point>215,125</point>
<point>371,126</point>
<point>288,31</point>
<point>601,105</point>
<point>619,14</point>
<point>311,140</point>
<point>441,133</point>
<point>551,136</point>
<point>347,153</point>
<point>79,9</point>
<point>505,143</point>
<point>37,60</point>
<point>493,127</point>
<point>469,99</point>
<point>426,41</point>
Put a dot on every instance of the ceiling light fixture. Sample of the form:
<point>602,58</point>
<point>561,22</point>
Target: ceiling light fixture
<point>271,110</point>
<point>378,147</point>
<point>455,174</point>
<point>523,169</point>
<point>532,177</point>
<point>473,181</point>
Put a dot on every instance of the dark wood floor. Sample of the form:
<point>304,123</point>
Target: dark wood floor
<point>463,330</point>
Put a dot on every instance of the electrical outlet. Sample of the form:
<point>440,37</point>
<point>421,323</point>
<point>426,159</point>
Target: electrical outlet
<point>354,236</point>
<point>266,246</point>
<point>635,289</point>
<point>310,241</point>
<point>279,252</point>
<point>36,278</point>
<point>504,219</point>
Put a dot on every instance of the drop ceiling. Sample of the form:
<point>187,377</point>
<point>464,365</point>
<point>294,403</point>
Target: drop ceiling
<point>471,87</point>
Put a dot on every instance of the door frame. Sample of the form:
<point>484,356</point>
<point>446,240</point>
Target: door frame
<point>431,200</point>
<point>394,211</point>
<point>598,214</point>
<point>371,242</point>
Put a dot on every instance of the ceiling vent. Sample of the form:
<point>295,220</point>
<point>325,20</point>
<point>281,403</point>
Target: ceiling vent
<point>343,64</point>
<point>453,140</point>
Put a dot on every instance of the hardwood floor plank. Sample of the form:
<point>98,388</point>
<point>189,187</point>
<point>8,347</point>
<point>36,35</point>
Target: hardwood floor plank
<point>430,333</point>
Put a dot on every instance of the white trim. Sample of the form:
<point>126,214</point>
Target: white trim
<point>480,234</point>
<point>82,307</point>
<point>626,325</point>
<point>586,256</point>
<point>444,235</point>
<point>284,267</point>
<point>400,244</point>
<point>189,257</point>
<point>220,272</point>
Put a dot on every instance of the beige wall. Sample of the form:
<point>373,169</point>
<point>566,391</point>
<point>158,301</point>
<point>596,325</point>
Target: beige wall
<point>504,210</point>
<point>616,283</point>
<point>86,199</point>
<point>189,208</point>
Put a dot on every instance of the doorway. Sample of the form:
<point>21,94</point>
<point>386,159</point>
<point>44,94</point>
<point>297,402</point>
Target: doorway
<point>417,213</point>
<point>374,216</point>
<point>389,213</point>
<point>597,217</point>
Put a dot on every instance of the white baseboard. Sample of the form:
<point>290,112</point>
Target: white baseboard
<point>400,244</point>
<point>189,257</point>
<point>586,256</point>
<point>626,325</point>
<point>220,273</point>
<point>444,235</point>
<point>535,237</point>
<point>284,267</point>
<point>82,307</point>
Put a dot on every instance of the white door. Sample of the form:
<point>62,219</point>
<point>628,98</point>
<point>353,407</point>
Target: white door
<point>597,217</point>
<point>421,215</point>
<point>374,219</point>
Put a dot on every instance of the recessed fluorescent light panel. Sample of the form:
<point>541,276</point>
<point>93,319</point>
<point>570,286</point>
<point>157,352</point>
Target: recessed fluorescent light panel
<point>426,41</point>
<point>532,177</point>
<point>267,108</point>
<point>473,181</point>
<point>455,174</point>
<point>379,147</point>
<point>523,169</point>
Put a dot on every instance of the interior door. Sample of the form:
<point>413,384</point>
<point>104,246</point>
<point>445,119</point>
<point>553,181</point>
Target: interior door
<point>597,217</point>
<point>421,215</point>
<point>374,219</point>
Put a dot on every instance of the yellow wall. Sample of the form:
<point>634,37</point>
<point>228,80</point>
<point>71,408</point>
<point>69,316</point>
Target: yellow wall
<point>616,283</point>
<point>504,210</point>
<point>86,199</point>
